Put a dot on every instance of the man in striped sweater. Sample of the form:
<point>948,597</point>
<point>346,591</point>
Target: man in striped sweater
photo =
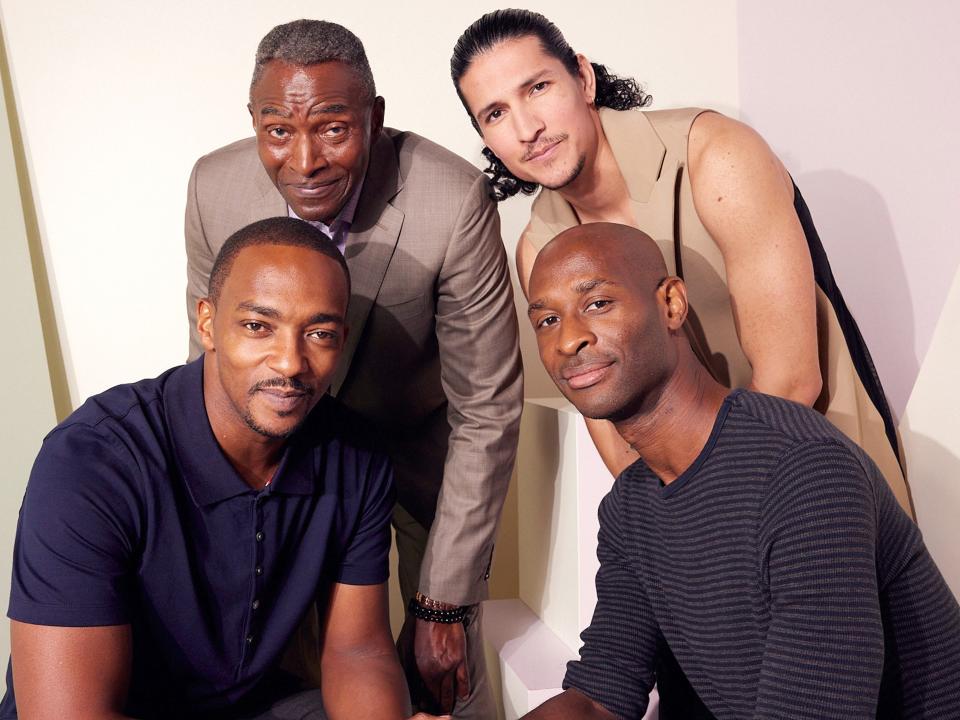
<point>752,537</point>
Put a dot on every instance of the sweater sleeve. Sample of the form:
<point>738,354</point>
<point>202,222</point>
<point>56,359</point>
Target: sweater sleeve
<point>825,647</point>
<point>616,665</point>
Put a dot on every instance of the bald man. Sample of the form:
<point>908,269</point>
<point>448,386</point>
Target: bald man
<point>752,537</point>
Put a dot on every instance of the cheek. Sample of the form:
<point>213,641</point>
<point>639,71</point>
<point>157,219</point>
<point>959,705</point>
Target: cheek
<point>272,158</point>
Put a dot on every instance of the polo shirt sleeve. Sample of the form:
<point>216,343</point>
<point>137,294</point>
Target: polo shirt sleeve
<point>73,549</point>
<point>365,559</point>
<point>616,665</point>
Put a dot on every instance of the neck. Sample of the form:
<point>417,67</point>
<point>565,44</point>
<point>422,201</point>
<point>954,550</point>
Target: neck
<point>600,191</point>
<point>671,435</point>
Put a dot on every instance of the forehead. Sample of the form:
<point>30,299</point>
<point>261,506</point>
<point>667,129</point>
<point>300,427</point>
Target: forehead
<point>561,269</point>
<point>283,82</point>
<point>300,274</point>
<point>499,69</point>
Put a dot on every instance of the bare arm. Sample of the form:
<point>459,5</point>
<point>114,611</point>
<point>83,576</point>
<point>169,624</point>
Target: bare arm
<point>744,198</point>
<point>570,704</point>
<point>361,676</point>
<point>70,673</point>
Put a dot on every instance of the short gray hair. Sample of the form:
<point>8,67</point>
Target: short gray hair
<point>311,42</point>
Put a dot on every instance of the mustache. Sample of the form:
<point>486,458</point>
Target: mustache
<point>534,150</point>
<point>281,383</point>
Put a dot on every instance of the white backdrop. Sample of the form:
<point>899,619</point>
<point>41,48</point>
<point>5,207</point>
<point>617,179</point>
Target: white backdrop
<point>117,100</point>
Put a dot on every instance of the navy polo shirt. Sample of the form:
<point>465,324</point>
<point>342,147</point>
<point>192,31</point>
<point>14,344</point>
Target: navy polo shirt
<point>133,515</point>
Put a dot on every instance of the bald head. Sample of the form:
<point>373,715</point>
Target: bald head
<point>607,317</point>
<point>619,247</point>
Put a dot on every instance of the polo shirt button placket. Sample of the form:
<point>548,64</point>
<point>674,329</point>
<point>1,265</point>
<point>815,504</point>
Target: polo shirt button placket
<point>259,537</point>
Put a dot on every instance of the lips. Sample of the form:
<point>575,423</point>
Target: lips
<point>544,149</point>
<point>585,375</point>
<point>313,189</point>
<point>283,401</point>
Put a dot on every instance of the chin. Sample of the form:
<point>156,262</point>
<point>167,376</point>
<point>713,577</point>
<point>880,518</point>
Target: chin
<point>273,430</point>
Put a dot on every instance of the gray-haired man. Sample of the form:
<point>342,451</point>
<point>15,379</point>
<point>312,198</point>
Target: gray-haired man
<point>432,357</point>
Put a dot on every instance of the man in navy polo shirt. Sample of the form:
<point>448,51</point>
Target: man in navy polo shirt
<point>175,531</point>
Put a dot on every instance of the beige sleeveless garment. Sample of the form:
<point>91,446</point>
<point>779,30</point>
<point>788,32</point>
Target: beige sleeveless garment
<point>651,150</point>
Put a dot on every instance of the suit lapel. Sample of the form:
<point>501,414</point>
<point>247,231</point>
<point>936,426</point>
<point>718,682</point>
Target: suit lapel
<point>269,202</point>
<point>637,148</point>
<point>370,244</point>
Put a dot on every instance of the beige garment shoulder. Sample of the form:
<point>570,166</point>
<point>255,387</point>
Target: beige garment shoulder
<point>651,151</point>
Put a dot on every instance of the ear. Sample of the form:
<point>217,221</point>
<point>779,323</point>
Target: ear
<point>673,293</point>
<point>253,118</point>
<point>377,113</point>
<point>588,78</point>
<point>205,314</point>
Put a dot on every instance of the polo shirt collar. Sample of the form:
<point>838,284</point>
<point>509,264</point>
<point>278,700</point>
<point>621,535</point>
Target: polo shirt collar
<point>207,473</point>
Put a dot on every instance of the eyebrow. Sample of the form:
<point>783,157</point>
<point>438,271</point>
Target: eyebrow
<point>334,109</point>
<point>317,319</point>
<point>529,81</point>
<point>581,288</point>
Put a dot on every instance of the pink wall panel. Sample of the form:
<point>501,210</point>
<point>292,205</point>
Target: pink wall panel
<point>861,100</point>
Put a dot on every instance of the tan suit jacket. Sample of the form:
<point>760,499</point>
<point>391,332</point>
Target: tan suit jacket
<point>432,358</point>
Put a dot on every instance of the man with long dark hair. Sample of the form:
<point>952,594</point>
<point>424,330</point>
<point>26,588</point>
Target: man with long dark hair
<point>707,188</point>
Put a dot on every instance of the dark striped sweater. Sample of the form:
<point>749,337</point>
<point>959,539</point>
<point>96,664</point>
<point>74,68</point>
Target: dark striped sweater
<point>781,572</point>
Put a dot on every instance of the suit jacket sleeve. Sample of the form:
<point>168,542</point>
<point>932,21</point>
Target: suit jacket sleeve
<point>200,257</point>
<point>481,374</point>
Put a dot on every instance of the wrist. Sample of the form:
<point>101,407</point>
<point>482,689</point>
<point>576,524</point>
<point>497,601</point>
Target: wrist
<point>436,611</point>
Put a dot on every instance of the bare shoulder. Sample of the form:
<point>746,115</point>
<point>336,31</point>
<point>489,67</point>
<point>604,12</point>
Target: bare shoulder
<point>715,138</point>
<point>732,168</point>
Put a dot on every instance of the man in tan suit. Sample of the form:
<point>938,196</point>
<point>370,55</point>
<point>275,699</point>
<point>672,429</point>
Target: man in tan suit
<point>432,358</point>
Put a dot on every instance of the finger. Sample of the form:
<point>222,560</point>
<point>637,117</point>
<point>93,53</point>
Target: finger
<point>447,692</point>
<point>463,680</point>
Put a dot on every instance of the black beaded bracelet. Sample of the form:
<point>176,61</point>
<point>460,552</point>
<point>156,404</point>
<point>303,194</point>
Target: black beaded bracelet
<point>447,617</point>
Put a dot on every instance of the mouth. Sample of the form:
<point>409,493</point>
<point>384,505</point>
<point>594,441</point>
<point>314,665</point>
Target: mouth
<point>313,190</point>
<point>544,150</point>
<point>284,401</point>
<point>586,375</point>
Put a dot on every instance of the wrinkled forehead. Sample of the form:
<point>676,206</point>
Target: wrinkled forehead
<point>301,82</point>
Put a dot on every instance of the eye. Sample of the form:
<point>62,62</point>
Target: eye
<point>538,87</point>
<point>322,335</point>
<point>254,327</point>
<point>547,321</point>
<point>278,132</point>
<point>598,304</point>
<point>494,115</point>
<point>335,131</point>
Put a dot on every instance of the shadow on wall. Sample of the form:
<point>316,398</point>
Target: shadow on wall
<point>858,236</point>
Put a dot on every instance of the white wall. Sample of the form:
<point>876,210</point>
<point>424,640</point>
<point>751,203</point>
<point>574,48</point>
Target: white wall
<point>117,99</point>
<point>860,100</point>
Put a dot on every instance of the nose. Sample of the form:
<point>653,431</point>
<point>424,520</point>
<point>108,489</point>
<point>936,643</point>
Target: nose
<point>527,125</point>
<point>574,336</point>
<point>307,156</point>
<point>287,357</point>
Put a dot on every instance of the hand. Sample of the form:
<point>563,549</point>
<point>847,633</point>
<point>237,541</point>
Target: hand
<point>441,658</point>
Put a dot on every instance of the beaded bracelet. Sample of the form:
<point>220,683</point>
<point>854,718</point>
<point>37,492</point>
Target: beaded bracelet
<point>447,617</point>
